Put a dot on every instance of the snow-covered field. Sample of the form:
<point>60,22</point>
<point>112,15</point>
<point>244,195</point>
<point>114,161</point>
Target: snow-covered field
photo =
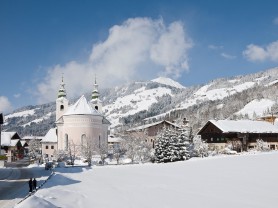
<point>231,181</point>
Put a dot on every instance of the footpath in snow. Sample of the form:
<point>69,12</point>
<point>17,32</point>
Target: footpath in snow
<point>231,181</point>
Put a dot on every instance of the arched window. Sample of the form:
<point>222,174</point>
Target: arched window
<point>62,107</point>
<point>66,142</point>
<point>83,139</point>
<point>96,107</point>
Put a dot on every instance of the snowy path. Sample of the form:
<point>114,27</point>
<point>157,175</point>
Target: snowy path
<point>248,181</point>
<point>14,186</point>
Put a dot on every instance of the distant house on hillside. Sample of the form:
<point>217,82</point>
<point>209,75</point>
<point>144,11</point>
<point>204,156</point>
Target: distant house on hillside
<point>242,134</point>
<point>12,146</point>
<point>152,130</point>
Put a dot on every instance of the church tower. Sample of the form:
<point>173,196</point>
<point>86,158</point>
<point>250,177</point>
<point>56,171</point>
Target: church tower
<point>95,101</point>
<point>62,102</point>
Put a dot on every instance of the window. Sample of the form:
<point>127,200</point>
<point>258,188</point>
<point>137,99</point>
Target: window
<point>62,107</point>
<point>96,107</point>
<point>66,142</point>
<point>46,147</point>
<point>83,139</point>
<point>52,147</point>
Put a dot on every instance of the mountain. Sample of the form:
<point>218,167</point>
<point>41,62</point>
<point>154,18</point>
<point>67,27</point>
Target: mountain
<point>141,102</point>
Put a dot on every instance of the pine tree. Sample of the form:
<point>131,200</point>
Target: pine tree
<point>170,146</point>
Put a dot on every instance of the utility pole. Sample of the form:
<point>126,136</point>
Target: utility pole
<point>1,122</point>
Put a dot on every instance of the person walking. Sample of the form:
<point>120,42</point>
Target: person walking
<point>30,185</point>
<point>34,184</point>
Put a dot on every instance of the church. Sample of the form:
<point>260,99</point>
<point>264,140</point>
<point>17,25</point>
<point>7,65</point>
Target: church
<point>81,122</point>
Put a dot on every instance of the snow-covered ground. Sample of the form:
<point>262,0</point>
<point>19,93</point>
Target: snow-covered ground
<point>231,181</point>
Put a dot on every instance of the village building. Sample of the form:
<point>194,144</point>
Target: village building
<point>241,134</point>
<point>49,143</point>
<point>12,146</point>
<point>76,124</point>
<point>149,132</point>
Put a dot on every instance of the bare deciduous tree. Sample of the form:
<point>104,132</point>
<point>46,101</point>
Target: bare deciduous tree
<point>73,150</point>
<point>34,148</point>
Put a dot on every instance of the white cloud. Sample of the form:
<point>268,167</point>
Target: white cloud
<point>227,56</point>
<point>17,95</point>
<point>5,105</point>
<point>258,53</point>
<point>215,47</point>
<point>139,48</point>
<point>275,21</point>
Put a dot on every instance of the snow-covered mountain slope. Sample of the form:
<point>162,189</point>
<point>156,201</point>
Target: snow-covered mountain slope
<point>256,108</point>
<point>164,98</point>
<point>131,104</point>
<point>168,81</point>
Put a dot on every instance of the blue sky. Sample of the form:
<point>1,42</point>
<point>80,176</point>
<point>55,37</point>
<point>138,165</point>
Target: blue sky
<point>190,41</point>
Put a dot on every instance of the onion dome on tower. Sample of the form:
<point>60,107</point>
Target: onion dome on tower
<point>62,91</point>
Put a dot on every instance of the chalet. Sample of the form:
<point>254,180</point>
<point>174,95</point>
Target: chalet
<point>150,131</point>
<point>12,146</point>
<point>242,134</point>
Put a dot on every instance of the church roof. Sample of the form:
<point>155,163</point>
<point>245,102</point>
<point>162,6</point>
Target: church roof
<point>50,136</point>
<point>82,107</point>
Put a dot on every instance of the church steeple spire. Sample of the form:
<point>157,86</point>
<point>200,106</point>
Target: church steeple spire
<point>95,93</point>
<point>62,91</point>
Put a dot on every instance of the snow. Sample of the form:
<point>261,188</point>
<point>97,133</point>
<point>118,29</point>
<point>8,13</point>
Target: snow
<point>272,83</point>
<point>38,120</point>
<point>50,136</point>
<point>81,107</point>
<point>245,126</point>
<point>214,94</point>
<point>6,138</point>
<point>214,182</point>
<point>256,106</point>
<point>168,81</point>
<point>21,114</point>
<point>131,104</point>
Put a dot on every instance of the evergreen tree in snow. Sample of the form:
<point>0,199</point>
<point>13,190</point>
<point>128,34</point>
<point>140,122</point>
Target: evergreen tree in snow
<point>170,146</point>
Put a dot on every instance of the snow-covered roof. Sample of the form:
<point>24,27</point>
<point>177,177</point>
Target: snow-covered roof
<point>82,107</point>
<point>113,139</point>
<point>245,126</point>
<point>22,142</point>
<point>50,136</point>
<point>32,138</point>
<point>14,142</point>
<point>153,124</point>
<point>7,138</point>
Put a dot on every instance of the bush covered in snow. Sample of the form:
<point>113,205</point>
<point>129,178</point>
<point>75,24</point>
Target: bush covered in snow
<point>262,146</point>
<point>200,147</point>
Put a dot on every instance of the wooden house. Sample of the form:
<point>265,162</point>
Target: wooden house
<point>241,134</point>
<point>150,131</point>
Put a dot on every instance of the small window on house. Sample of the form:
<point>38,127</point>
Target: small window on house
<point>52,147</point>
<point>62,107</point>
<point>96,107</point>
<point>146,140</point>
<point>46,147</point>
